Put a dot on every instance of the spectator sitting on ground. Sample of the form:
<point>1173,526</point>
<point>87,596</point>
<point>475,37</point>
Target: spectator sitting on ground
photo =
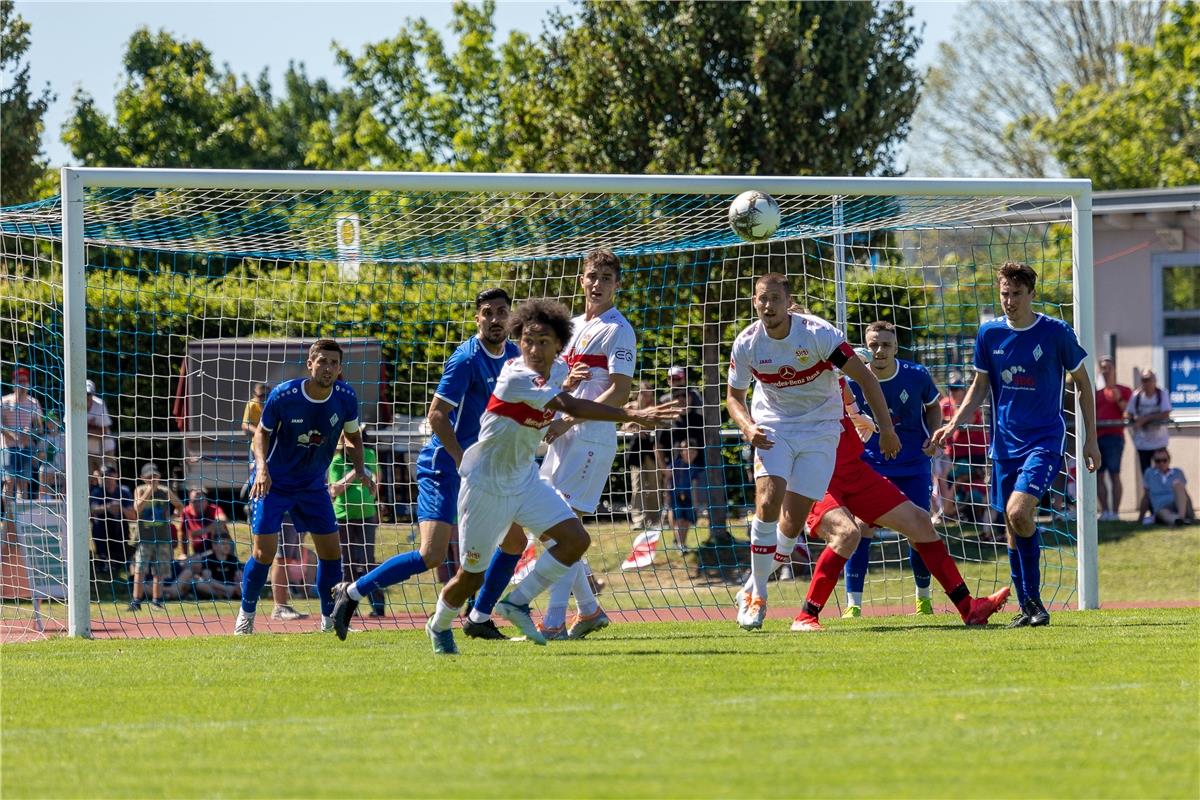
<point>111,506</point>
<point>220,570</point>
<point>201,521</point>
<point>1111,401</point>
<point>21,427</point>
<point>1166,492</point>
<point>1149,409</point>
<point>152,503</point>
<point>101,444</point>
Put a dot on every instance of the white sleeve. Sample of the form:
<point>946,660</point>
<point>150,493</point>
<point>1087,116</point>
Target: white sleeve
<point>829,339</point>
<point>621,350</point>
<point>739,365</point>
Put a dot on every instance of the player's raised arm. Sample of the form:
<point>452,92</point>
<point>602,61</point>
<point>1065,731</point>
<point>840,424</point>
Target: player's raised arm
<point>976,394</point>
<point>652,417</point>
<point>860,373</point>
<point>1087,407</point>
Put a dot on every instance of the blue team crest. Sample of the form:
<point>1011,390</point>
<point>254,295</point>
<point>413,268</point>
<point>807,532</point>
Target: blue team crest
<point>333,421</point>
<point>904,395</point>
<point>1037,353</point>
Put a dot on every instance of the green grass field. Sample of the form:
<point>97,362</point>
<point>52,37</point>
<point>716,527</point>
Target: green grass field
<point>1101,704</point>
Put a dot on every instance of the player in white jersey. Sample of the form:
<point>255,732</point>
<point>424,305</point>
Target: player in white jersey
<point>793,423</point>
<point>500,480</point>
<point>580,458</point>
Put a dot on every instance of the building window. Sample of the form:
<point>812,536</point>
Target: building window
<point>1181,300</point>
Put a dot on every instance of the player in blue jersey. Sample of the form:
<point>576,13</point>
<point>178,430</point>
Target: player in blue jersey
<point>297,435</point>
<point>1022,359</point>
<point>454,415</point>
<point>912,400</point>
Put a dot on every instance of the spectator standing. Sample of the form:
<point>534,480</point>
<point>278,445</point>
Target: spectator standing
<point>252,412</point>
<point>683,507</point>
<point>1112,399</point>
<point>153,503</point>
<point>202,521</point>
<point>220,570</point>
<point>641,461</point>
<point>358,518</point>
<point>689,428</point>
<point>1166,492</point>
<point>21,427</point>
<point>111,505</point>
<point>966,455</point>
<point>53,476</point>
<point>101,444</point>
<point>1149,409</point>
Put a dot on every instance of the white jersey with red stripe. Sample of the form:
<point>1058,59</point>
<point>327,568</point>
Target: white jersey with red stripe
<point>795,377</point>
<point>502,460</point>
<point>607,344</point>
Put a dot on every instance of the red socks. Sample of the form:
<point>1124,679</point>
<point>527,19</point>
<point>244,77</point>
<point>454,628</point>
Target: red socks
<point>941,566</point>
<point>826,574</point>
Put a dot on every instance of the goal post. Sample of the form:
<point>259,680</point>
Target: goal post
<point>921,252</point>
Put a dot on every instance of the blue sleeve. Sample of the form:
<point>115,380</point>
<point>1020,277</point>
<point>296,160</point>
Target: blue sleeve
<point>983,359</point>
<point>270,412</point>
<point>126,497</point>
<point>456,378</point>
<point>94,498</point>
<point>1070,351</point>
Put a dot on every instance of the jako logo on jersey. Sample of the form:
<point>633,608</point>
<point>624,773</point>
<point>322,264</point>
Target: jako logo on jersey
<point>998,352</point>
<point>311,439</point>
<point>297,422</point>
<point>763,361</point>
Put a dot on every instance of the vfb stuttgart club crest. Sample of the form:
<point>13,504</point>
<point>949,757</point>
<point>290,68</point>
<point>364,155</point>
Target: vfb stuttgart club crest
<point>803,356</point>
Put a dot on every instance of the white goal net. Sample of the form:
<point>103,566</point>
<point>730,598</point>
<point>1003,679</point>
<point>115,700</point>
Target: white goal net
<point>198,287</point>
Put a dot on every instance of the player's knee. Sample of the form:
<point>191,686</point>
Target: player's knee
<point>432,556</point>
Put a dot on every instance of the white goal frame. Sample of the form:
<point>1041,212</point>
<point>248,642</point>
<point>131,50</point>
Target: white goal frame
<point>75,180</point>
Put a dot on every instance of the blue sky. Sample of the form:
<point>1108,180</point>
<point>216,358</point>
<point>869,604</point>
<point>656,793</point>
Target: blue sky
<point>80,44</point>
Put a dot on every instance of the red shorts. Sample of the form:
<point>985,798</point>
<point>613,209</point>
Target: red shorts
<point>858,488</point>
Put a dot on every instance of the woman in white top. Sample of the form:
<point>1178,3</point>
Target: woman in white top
<point>1149,410</point>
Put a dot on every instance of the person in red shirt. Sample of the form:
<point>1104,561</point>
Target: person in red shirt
<point>202,522</point>
<point>966,452</point>
<point>1110,435</point>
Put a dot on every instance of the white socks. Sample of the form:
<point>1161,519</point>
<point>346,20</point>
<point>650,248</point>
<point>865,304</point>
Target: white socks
<point>444,616</point>
<point>585,598</point>
<point>762,553</point>
<point>547,570</point>
<point>353,591</point>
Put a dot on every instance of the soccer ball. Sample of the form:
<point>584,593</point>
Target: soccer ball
<point>754,216</point>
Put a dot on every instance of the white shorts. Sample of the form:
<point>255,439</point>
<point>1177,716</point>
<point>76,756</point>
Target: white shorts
<point>484,517</point>
<point>803,457</point>
<point>578,469</point>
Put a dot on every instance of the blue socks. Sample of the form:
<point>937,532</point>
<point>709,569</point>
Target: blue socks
<point>396,569</point>
<point>921,576</point>
<point>857,566</point>
<point>254,578</point>
<point>1029,552</point>
<point>329,572</point>
<point>499,573</point>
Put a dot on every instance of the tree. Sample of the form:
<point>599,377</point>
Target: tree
<point>1144,132</point>
<point>759,87</point>
<point>176,109</point>
<point>22,166</point>
<point>412,104</point>
<point>1001,72</point>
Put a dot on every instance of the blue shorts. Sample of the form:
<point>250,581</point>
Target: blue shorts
<point>311,511</point>
<point>917,488</point>
<point>437,488</point>
<point>1111,450</point>
<point>18,463</point>
<point>1033,475</point>
<point>682,507</point>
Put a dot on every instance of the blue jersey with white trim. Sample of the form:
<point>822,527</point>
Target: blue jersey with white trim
<point>907,392</point>
<point>1027,369</point>
<point>467,382</point>
<point>305,432</point>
